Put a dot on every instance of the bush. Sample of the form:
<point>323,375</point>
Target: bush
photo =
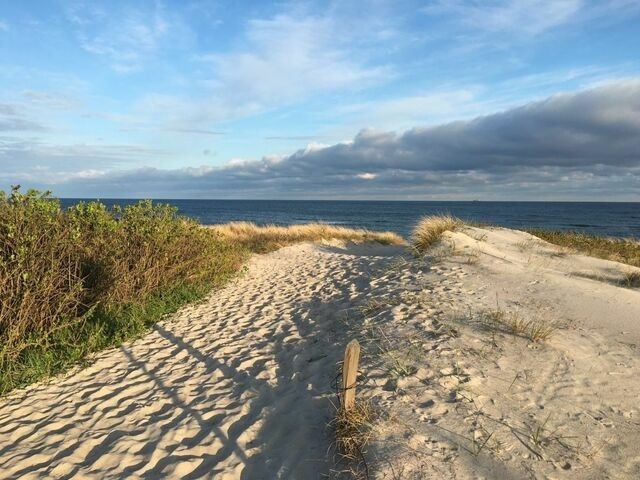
<point>73,281</point>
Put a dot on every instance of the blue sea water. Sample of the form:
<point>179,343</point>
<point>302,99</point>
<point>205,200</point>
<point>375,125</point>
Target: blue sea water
<point>612,219</point>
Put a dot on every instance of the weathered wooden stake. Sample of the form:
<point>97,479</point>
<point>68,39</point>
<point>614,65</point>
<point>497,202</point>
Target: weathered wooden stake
<point>350,373</point>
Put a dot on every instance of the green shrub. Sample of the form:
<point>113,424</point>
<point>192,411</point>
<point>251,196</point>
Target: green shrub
<point>78,280</point>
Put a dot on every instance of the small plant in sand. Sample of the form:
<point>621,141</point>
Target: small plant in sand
<point>631,279</point>
<point>374,305</point>
<point>353,429</point>
<point>473,257</point>
<point>477,445</point>
<point>430,229</point>
<point>526,245</point>
<point>536,330</point>
<point>478,237</point>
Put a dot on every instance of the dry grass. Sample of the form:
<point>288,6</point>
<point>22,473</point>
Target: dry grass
<point>430,229</point>
<point>271,237</point>
<point>616,249</point>
<point>536,330</point>
<point>353,429</point>
<point>631,279</point>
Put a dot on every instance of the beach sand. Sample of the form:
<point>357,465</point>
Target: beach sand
<point>242,385</point>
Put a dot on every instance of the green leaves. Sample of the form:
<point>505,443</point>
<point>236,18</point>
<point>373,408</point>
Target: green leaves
<point>76,280</point>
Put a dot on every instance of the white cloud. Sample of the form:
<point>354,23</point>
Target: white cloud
<point>367,176</point>
<point>275,62</point>
<point>126,39</point>
<point>284,59</point>
<point>53,100</point>
<point>4,26</point>
<point>521,16</point>
<point>422,108</point>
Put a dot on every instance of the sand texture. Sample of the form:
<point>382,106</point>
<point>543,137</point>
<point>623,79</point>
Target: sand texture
<point>242,385</point>
<point>463,397</point>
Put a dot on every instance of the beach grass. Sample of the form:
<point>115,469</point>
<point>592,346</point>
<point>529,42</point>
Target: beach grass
<point>429,230</point>
<point>78,280</point>
<point>616,249</point>
<point>514,323</point>
<point>270,237</point>
<point>353,429</point>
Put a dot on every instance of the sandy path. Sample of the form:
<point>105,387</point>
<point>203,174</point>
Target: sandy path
<point>236,387</point>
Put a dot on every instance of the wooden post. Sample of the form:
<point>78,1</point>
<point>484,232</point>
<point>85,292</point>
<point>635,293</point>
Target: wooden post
<point>349,374</point>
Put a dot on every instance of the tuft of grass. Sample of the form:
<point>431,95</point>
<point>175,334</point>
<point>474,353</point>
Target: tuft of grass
<point>631,279</point>
<point>375,305</point>
<point>271,237</point>
<point>430,229</point>
<point>616,249</point>
<point>353,429</point>
<point>536,330</point>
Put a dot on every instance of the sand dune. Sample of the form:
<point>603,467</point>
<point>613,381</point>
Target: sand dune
<point>480,402</point>
<point>241,385</point>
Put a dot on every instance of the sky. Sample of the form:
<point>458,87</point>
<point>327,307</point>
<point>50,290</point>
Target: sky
<point>384,99</point>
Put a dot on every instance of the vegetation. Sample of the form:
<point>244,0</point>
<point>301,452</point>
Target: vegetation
<point>78,280</point>
<point>353,429</point>
<point>616,249</point>
<point>536,330</point>
<point>74,281</point>
<point>271,237</point>
<point>430,229</point>
<point>631,279</point>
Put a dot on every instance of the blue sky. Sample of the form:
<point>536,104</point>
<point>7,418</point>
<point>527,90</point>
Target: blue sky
<point>214,99</point>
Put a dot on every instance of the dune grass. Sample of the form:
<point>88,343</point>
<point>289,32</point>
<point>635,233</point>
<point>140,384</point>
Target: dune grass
<point>429,230</point>
<point>616,249</point>
<point>631,279</point>
<point>271,237</point>
<point>75,281</point>
<point>512,322</point>
<point>353,429</point>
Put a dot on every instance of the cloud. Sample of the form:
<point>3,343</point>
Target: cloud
<point>51,100</point>
<point>126,39</point>
<point>275,62</point>
<point>36,162</point>
<point>13,119</point>
<point>523,16</point>
<point>288,58</point>
<point>408,110</point>
<point>569,145</point>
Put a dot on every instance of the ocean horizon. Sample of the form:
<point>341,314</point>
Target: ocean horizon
<point>616,219</point>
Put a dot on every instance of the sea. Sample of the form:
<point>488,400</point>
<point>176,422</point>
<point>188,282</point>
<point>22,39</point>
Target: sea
<point>619,219</point>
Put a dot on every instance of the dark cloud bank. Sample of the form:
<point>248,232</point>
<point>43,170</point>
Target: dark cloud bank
<point>571,146</point>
